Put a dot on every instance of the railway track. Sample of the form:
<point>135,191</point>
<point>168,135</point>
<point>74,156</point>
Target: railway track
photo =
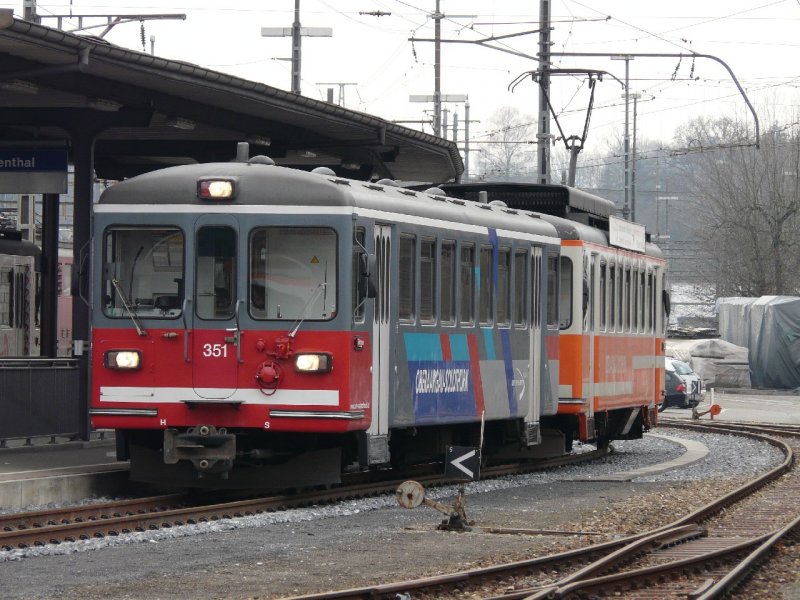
<point>54,526</point>
<point>702,555</point>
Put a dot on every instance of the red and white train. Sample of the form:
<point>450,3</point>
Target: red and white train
<point>260,326</point>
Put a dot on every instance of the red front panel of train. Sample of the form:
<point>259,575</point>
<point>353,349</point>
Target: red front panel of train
<point>207,381</point>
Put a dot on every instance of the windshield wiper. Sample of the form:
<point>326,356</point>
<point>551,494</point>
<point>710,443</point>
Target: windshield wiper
<point>139,329</point>
<point>320,288</point>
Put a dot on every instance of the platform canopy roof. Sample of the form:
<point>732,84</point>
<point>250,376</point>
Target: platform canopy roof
<point>151,112</point>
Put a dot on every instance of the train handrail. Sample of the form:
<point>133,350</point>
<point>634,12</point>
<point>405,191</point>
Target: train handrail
<point>186,303</point>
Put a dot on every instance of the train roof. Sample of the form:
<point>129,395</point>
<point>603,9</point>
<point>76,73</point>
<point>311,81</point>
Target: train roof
<point>259,183</point>
<point>556,200</point>
<point>577,215</point>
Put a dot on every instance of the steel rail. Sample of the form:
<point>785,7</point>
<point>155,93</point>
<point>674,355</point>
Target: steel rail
<point>37,528</point>
<point>620,549</point>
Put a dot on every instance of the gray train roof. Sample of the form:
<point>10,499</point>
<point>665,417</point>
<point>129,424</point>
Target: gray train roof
<point>577,215</point>
<point>274,185</point>
<point>556,200</point>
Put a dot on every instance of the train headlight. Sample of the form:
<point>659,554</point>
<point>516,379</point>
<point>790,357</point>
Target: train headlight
<point>216,189</point>
<point>125,360</point>
<point>313,362</point>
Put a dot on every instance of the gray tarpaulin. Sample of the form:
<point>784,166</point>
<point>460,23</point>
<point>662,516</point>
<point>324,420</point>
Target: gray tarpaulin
<point>770,328</point>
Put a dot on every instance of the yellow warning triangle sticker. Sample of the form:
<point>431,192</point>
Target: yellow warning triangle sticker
<point>314,260</point>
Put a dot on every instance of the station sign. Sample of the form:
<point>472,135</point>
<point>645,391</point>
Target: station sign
<point>29,171</point>
<point>626,234</point>
<point>463,462</point>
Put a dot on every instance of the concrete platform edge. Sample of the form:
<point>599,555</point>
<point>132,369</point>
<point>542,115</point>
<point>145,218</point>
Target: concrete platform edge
<point>695,451</point>
<point>19,494</point>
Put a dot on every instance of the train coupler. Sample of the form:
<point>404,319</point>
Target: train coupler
<point>209,449</point>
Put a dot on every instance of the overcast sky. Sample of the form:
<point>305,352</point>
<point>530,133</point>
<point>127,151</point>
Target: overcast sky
<point>757,39</point>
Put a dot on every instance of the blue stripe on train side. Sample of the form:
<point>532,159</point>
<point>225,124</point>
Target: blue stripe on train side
<point>505,340</point>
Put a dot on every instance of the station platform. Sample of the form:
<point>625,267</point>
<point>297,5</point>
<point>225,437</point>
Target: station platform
<point>65,471</point>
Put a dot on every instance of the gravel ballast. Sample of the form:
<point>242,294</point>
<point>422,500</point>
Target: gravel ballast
<point>373,540</point>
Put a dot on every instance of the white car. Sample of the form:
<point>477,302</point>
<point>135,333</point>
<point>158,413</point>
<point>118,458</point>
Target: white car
<point>694,385</point>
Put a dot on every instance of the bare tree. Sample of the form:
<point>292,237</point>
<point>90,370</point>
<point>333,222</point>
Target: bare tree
<point>748,210</point>
<point>511,135</point>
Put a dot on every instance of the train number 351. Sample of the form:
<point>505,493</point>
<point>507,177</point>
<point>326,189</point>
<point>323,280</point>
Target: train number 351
<point>215,350</point>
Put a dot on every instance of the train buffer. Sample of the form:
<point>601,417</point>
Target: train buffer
<point>411,494</point>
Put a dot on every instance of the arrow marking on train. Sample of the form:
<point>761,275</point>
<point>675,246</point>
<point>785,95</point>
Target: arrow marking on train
<point>457,463</point>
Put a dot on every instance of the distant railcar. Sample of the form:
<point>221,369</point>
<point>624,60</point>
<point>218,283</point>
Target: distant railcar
<point>260,326</point>
<point>20,270</point>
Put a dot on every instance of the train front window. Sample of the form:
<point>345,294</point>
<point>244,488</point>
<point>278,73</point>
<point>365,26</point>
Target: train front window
<point>143,272</point>
<point>293,273</point>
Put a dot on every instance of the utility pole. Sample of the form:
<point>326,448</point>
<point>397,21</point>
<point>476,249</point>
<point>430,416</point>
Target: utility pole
<point>341,88</point>
<point>543,134</point>
<point>437,72</point>
<point>442,98</point>
<point>296,32</point>
<point>633,163</point>
<point>29,11</point>
<point>626,210</point>
<point>467,121</point>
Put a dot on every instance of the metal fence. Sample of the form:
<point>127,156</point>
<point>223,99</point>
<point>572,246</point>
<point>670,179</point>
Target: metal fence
<point>40,397</point>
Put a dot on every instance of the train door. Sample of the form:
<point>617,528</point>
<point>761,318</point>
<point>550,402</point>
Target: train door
<point>590,262</point>
<point>381,354</point>
<point>537,352</point>
<point>216,335</point>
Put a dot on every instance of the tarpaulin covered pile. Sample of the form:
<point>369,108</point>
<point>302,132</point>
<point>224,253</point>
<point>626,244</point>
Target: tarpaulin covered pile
<point>770,328</point>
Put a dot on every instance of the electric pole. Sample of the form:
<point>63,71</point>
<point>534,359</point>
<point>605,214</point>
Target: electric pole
<point>341,89</point>
<point>437,72</point>
<point>29,11</point>
<point>296,32</point>
<point>543,134</point>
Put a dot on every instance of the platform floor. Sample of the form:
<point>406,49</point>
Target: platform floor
<point>62,472</point>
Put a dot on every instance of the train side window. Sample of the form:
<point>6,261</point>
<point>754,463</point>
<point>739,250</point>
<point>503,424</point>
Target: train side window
<point>447,268</point>
<point>536,289</point>
<point>520,286</point>
<point>565,294</point>
<point>635,300</point>
<point>143,272</point>
<point>642,302</point>
<point>467,287</point>
<point>650,301</point>
<point>427,283</point>
<point>603,297</point>
<point>552,291</point>
<point>406,290</point>
<point>612,297</point>
<point>626,298</point>
<point>620,300</point>
<point>504,287</point>
<point>485,288</point>
<point>588,293</point>
<point>293,273</point>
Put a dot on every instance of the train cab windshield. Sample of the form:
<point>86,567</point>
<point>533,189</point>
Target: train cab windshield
<point>293,273</point>
<point>143,272</point>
